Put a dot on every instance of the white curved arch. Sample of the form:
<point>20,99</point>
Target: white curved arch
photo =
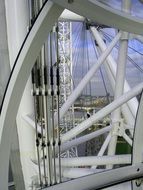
<point>26,60</point>
<point>21,72</point>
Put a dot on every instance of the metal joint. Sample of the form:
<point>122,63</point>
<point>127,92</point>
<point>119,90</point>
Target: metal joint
<point>124,36</point>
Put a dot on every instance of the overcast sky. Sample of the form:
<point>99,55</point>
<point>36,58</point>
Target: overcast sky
<point>84,57</point>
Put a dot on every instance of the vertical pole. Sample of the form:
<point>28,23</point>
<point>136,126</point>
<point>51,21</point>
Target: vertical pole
<point>58,100</point>
<point>52,105</point>
<point>110,68</point>
<point>119,86</point>
<point>34,78</point>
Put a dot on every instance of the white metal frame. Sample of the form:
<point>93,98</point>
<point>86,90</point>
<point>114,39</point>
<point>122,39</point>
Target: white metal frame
<point>102,179</point>
<point>102,14</point>
<point>25,62</point>
<point>21,72</point>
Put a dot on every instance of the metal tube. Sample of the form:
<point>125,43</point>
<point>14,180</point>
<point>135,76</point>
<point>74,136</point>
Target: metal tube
<point>103,148</point>
<point>103,179</point>
<point>65,146</point>
<point>105,145</point>
<point>58,100</point>
<point>36,126</point>
<point>73,173</point>
<point>41,111</point>
<point>86,79</point>
<point>111,75</point>
<point>95,160</point>
<point>119,85</point>
<point>127,138</point>
<point>52,96</point>
<point>102,113</point>
<point>111,65</point>
<point>31,122</point>
<point>46,117</point>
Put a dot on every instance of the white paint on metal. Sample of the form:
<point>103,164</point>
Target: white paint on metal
<point>26,59</point>
<point>102,113</point>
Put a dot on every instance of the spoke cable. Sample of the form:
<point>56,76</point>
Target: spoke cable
<point>48,144</point>
<point>41,107</point>
<point>129,58</point>
<point>34,84</point>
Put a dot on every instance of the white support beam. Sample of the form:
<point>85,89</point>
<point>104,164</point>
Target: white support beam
<point>95,160</point>
<point>23,65</point>
<point>102,113</point>
<point>111,67</point>
<point>15,161</point>
<point>73,173</point>
<point>102,179</point>
<point>103,147</point>
<point>128,140</point>
<point>111,71</point>
<point>119,84</point>
<point>138,141</point>
<point>31,122</point>
<point>75,94</point>
<point>65,146</point>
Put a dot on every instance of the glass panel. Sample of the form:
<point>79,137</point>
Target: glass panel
<point>136,9</point>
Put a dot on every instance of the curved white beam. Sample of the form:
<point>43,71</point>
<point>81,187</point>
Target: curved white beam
<point>138,139</point>
<point>138,135</point>
<point>21,72</point>
<point>103,14</point>
<point>102,179</point>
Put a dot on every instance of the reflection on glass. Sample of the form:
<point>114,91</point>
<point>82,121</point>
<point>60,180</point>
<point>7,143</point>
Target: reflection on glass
<point>136,8</point>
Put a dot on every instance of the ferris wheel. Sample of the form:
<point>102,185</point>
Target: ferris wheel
<point>51,169</point>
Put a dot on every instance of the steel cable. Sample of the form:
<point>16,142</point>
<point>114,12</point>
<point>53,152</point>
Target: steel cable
<point>52,96</point>
<point>58,100</point>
